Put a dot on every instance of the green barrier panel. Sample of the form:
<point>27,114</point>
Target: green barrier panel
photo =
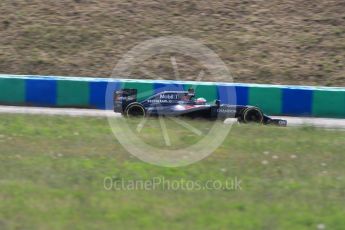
<point>209,92</point>
<point>145,89</point>
<point>72,93</point>
<point>329,103</point>
<point>267,99</point>
<point>12,91</point>
<point>75,92</point>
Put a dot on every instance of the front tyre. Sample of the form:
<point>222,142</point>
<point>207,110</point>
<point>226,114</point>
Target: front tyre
<point>135,109</point>
<point>252,115</point>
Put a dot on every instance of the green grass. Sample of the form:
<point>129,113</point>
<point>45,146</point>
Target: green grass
<point>52,172</point>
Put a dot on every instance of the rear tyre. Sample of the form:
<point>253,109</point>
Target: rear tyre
<point>135,109</point>
<point>253,115</point>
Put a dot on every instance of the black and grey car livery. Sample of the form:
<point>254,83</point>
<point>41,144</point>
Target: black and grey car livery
<point>183,103</point>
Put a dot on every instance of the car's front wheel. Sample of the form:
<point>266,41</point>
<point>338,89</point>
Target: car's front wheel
<point>252,115</point>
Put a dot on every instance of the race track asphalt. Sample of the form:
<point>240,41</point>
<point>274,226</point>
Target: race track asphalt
<point>329,123</point>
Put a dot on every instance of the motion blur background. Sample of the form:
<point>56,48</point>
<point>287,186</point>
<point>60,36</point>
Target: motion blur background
<point>53,168</point>
<point>277,42</point>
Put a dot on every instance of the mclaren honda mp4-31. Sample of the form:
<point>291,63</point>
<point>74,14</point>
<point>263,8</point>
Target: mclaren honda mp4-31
<point>184,103</point>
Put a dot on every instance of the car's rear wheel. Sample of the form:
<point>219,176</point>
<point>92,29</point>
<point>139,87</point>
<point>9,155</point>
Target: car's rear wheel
<point>135,109</point>
<point>252,115</point>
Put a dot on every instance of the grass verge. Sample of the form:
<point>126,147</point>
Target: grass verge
<point>52,173</point>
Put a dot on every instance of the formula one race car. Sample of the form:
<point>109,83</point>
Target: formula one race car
<point>183,103</point>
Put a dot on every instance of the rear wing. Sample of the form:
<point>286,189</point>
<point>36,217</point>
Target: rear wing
<point>124,97</point>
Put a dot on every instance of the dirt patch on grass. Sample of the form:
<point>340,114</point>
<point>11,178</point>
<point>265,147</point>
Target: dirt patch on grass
<point>290,42</point>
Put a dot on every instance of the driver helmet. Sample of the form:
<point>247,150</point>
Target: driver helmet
<point>200,101</point>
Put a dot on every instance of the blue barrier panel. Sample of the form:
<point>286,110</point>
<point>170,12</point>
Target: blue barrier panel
<point>160,87</point>
<point>97,94</point>
<point>41,92</point>
<point>225,94</point>
<point>297,102</point>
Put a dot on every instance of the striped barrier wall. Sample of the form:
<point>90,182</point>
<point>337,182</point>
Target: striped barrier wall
<point>91,93</point>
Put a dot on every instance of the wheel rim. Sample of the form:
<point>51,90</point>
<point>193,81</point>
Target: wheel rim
<point>135,111</point>
<point>253,116</point>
